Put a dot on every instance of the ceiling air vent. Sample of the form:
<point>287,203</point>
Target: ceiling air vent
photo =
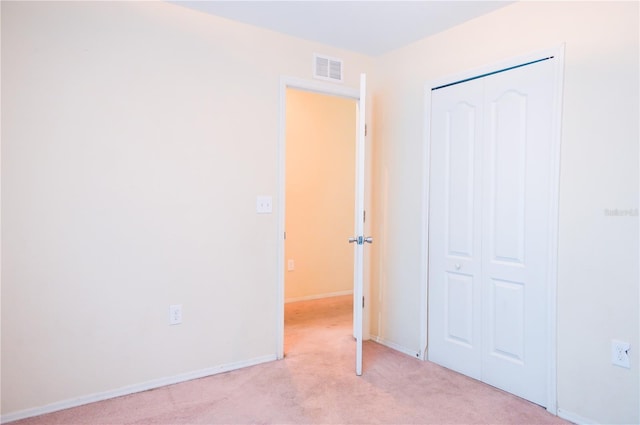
<point>326,68</point>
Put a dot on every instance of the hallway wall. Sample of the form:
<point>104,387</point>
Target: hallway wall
<point>320,194</point>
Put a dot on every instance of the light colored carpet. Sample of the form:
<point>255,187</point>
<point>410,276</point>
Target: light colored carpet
<point>316,384</point>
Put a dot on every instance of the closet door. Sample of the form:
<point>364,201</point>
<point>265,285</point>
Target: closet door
<point>455,227</point>
<point>489,215</point>
<point>516,162</point>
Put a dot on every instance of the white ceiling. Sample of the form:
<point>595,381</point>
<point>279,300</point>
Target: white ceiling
<point>368,27</point>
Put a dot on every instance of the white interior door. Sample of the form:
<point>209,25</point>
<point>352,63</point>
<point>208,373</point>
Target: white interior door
<point>454,219</point>
<point>515,228</point>
<point>359,239</point>
<point>490,195</point>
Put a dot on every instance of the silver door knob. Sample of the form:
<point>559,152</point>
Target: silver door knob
<point>457,266</point>
<point>361,240</point>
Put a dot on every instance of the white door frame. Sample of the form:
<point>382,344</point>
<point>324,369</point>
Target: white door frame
<point>315,87</point>
<point>558,54</point>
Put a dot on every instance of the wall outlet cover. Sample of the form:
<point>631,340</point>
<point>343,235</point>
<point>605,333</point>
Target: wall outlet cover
<point>620,353</point>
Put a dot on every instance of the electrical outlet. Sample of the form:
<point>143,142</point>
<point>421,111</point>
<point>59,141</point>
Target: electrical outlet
<point>620,353</point>
<point>291,265</point>
<point>175,314</point>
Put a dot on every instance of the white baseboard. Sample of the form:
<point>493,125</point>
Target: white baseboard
<point>396,347</point>
<point>131,389</point>
<point>318,296</point>
<point>576,419</point>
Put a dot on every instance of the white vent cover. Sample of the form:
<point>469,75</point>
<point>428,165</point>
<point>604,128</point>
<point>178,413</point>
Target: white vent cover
<point>326,68</point>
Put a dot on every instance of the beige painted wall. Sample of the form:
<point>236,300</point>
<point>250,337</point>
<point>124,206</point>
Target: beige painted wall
<point>598,254</point>
<point>136,136</point>
<point>320,194</point>
<point>135,139</point>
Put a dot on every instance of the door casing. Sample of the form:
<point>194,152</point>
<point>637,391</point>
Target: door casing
<point>557,53</point>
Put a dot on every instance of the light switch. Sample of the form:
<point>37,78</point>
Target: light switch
<point>264,205</point>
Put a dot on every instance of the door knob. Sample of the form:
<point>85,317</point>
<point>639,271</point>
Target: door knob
<point>361,240</point>
<point>458,266</point>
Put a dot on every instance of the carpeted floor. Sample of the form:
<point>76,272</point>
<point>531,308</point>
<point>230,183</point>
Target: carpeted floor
<point>316,384</point>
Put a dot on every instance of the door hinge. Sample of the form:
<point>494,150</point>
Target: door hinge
<point>364,216</point>
<point>365,129</point>
<point>285,236</point>
<point>362,302</point>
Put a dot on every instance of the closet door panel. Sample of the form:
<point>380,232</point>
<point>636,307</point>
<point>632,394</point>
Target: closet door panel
<point>516,200</point>
<point>454,226</point>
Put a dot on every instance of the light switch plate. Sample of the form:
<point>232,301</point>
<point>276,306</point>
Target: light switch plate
<point>264,205</point>
<point>175,314</point>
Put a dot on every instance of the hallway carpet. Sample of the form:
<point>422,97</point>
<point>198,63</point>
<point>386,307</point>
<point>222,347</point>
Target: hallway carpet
<point>316,384</point>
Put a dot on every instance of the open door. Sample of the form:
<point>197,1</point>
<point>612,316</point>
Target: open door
<point>359,240</point>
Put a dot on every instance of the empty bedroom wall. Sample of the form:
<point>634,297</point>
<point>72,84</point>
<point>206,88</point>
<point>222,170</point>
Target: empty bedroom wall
<point>135,139</point>
<point>597,294</point>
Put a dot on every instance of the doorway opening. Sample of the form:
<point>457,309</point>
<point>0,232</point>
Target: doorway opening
<point>320,151</point>
<point>354,95</point>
